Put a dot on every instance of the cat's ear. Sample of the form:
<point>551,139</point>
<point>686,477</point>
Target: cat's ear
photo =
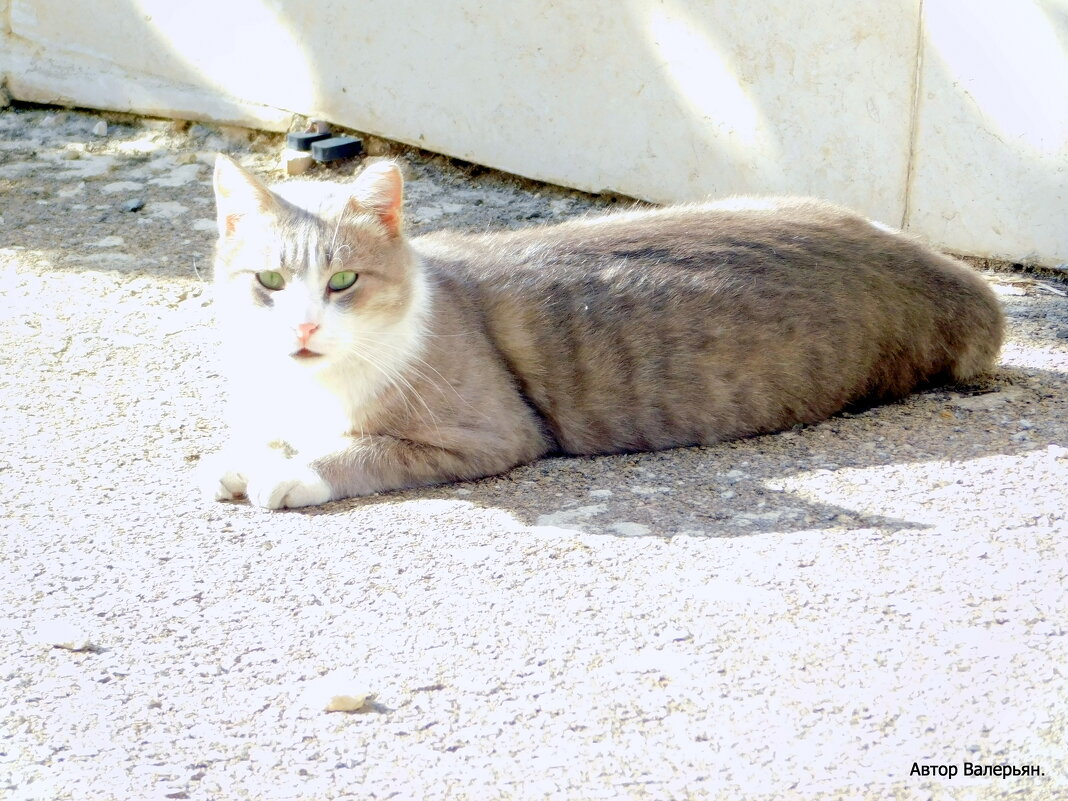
<point>379,189</point>
<point>238,194</point>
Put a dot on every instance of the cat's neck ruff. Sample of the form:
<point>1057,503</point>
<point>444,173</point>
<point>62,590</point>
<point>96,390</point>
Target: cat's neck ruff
<point>383,357</point>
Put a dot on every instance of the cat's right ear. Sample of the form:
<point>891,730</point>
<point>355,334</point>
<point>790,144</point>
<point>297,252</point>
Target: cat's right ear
<point>379,189</point>
<point>238,194</point>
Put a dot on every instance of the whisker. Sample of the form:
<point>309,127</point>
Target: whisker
<point>414,364</point>
<point>395,378</point>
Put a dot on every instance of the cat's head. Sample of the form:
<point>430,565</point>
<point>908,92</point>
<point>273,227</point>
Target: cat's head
<point>312,274</point>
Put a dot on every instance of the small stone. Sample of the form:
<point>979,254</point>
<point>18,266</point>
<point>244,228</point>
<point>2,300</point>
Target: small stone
<point>63,634</point>
<point>155,124</point>
<point>179,176</point>
<point>71,191</point>
<point>121,186</point>
<point>235,135</point>
<point>100,129</point>
<point>134,204</point>
<point>626,528</point>
<point>108,242</point>
<point>167,208</point>
<point>296,162</point>
<point>374,146</point>
<point>70,155</point>
<point>428,213</point>
<point>347,703</point>
<point>338,691</point>
<point>185,158</point>
<point>988,400</point>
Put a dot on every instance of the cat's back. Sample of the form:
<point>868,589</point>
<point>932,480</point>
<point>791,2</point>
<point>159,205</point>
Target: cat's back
<point>690,324</point>
<point>667,238</point>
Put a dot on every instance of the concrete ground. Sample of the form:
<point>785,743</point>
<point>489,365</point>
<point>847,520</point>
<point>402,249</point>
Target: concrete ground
<point>843,611</point>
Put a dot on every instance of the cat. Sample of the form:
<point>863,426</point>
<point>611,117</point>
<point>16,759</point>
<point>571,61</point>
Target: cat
<point>361,361</point>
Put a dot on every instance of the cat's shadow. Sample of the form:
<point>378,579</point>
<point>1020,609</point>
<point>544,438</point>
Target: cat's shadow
<point>876,469</point>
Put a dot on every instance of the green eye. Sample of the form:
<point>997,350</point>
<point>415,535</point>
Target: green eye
<point>342,280</point>
<point>271,279</point>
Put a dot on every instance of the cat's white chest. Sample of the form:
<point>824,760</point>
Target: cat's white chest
<point>289,405</point>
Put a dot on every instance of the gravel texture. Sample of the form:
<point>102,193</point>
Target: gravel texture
<point>799,615</point>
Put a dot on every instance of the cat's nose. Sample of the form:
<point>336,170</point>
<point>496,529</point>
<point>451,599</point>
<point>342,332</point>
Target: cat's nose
<point>304,332</point>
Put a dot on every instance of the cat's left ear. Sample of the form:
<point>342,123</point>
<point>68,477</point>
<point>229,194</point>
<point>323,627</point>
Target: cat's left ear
<point>380,190</point>
<point>238,194</point>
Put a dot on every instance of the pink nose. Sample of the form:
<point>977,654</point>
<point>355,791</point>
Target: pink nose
<point>304,332</point>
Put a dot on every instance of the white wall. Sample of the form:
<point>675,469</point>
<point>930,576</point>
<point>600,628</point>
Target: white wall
<point>949,117</point>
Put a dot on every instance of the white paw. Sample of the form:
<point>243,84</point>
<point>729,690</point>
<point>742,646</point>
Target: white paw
<point>302,488</point>
<point>219,484</point>
<point>231,485</point>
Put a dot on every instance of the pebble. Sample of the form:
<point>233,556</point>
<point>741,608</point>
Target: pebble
<point>71,191</point>
<point>339,691</point>
<point>428,213</point>
<point>70,155</point>
<point>63,634</point>
<point>167,208</point>
<point>100,129</point>
<point>121,186</point>
<point>134,204</point>
<point>108,242</point>
<point>347,703</point>
<point>578,514</point>
<point>235,135</point>
<point>628,529</point>
<point>185,158</point>
<point>296,162</point>
<point>179,176</point>
<point>988,400</point>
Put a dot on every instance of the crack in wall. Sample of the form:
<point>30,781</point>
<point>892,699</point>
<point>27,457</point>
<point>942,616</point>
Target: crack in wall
<point>914,118</point>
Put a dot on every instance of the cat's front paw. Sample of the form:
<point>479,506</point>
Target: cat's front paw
<point>219,484</point>
<point>297,489</point>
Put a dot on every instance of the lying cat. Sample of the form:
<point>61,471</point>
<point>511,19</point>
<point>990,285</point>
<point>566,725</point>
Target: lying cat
<point>361,361</point>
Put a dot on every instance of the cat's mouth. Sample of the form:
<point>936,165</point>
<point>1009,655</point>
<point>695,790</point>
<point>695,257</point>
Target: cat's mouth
<point>304,353</point>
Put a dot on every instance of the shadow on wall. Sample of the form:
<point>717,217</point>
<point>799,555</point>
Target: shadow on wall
<point>991,149</point>
<point>190,61</point>
<point>1023,99</point>
<point>666,101</point>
